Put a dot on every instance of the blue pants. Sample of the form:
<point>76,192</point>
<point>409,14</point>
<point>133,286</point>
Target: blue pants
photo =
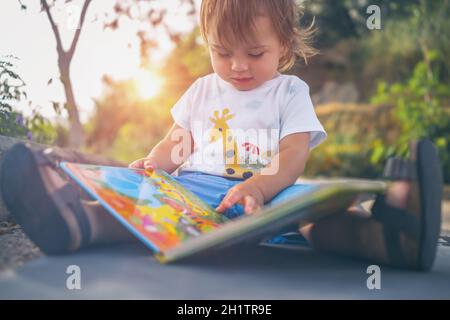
<point>212,189</point>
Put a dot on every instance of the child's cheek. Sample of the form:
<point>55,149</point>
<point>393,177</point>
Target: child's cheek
<point>221,67</point>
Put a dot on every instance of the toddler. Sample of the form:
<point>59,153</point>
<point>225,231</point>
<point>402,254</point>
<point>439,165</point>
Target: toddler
<point>243,133</point>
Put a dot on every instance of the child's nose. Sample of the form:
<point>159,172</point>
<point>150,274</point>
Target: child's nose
<point>239,65</point>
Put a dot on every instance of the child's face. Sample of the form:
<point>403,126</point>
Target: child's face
<point>248,65</point>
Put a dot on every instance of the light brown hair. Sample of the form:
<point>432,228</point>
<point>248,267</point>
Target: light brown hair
<point>234,20</point>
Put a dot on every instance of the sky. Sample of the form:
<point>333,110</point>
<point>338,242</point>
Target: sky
<point>28,36</point>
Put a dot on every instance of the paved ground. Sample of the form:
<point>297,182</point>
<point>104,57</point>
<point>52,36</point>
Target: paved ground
<point>15,247</point>
<point>130,272</point>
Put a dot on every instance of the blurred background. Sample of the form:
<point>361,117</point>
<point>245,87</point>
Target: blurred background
<point>101,76</point>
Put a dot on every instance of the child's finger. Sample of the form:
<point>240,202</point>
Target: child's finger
<point>250,205</point>
<point>149,165</point>
<point>137,164</point>
<point>222,206</point>
<point>230,199</point>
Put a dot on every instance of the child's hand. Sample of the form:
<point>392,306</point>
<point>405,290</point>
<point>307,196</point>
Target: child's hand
<point>144,163</point>
<point>246,193</point>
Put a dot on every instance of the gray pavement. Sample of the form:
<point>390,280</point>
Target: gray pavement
<point>130,272</point>
<point>247,272</point>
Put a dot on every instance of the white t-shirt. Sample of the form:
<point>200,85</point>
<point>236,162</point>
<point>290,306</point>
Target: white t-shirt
<point>236,133</point>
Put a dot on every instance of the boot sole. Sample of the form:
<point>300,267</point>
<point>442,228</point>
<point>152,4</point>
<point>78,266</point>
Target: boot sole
<point>26,197</point>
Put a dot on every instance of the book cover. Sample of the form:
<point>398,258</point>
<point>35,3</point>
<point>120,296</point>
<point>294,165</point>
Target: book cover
<point>154,206</point>
<point>175,223</point>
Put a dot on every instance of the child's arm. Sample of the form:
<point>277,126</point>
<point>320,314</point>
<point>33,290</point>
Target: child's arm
<point>170,152</point>
<point>259,189</point>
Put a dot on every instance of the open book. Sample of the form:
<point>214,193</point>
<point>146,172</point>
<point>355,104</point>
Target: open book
<point>175,223</point>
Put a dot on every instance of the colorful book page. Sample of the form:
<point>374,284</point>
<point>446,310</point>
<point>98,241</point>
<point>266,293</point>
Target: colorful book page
<point>153,205</point>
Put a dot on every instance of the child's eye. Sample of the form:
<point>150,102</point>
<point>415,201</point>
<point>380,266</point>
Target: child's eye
<point>223,54</point>
<point>256,55</point>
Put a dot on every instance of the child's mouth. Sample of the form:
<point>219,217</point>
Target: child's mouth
<point>241,80</point>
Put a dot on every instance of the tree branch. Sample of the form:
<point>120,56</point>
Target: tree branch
<point>55,29</point>
<point>22,6</point>
<point>78,32</point>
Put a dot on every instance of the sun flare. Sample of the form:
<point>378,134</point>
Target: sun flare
<point>148,84</point>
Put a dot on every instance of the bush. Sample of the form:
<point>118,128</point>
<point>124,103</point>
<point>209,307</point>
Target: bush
<point>11,91</point>
<point>13,123</point>
<point>362,137</point>
<point>352,131</point>
<point>421,107</point>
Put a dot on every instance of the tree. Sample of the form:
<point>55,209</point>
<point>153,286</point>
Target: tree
<point>76,137</point>
<point>122,8</point>
<point>135,125</point>
<point>149,18</point>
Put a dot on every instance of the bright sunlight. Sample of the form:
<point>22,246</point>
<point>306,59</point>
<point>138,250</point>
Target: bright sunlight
<point>148,84</point>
